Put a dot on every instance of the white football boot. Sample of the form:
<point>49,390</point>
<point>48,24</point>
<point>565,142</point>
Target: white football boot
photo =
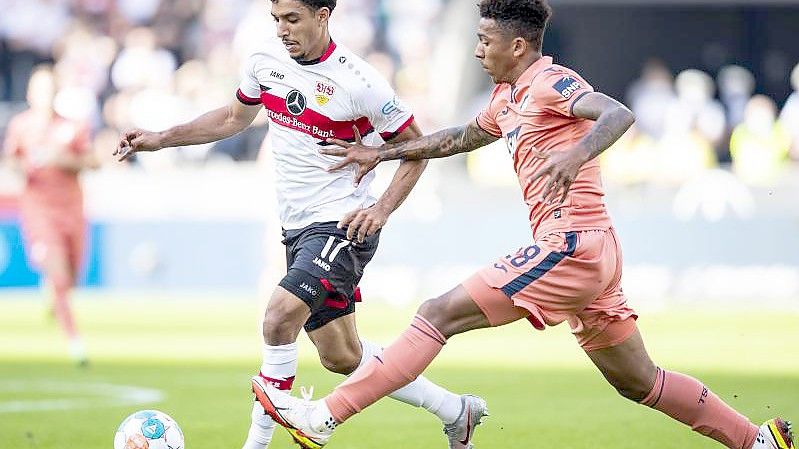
<point>459,433</point>
<point>294,414</point>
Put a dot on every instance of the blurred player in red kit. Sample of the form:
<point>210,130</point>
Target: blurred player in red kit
<point>50,151</point>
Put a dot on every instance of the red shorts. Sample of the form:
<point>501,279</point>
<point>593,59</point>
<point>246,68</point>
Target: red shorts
<point>570,276</point>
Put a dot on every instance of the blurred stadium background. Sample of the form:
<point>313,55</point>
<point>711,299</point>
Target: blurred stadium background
<point>184,243</point>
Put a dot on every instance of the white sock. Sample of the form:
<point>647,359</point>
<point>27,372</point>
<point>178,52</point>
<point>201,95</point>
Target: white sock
<point>261,429</point>
<point>421,392</point>
<point>279,367</point>
<point>76,349</point>
<point>320,419</point>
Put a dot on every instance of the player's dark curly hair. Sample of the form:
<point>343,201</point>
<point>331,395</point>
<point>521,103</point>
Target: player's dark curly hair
<point>316,4</point>
<point>524,18</point>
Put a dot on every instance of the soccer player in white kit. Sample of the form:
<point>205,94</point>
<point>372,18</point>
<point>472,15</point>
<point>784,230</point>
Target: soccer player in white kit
<point>315,91</point>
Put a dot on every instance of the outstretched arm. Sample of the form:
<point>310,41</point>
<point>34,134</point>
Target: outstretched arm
<point>612,120</point>
<point>209,127</point>
<point>441,144</point>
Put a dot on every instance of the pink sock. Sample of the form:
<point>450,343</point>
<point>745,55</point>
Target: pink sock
<point>688,401</point>
<point>399,365</point>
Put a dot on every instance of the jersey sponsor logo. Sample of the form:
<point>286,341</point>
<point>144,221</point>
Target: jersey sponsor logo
<point>321,264</point>
<point>312,122</point>
<point>297,124</point>
<point>567,86</point>
<point>276,74</point>
<point>296,102</point>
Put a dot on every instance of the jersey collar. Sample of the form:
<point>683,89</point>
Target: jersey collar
<point>535,68</point>
<point>330,49</point>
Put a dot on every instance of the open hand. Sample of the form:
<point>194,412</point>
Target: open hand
<point>562,168</point>
<point>364,156</point>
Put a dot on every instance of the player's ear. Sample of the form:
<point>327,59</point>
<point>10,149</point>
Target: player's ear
<point>323,14</point>
<point>520,46</point>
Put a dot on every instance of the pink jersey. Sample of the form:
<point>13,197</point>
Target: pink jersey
<point>36,141</point>
<point>535,116</point>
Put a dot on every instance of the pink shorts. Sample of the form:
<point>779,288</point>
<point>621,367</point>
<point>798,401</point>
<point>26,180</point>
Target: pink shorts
<point>568,276</point>
<point>47,235</point>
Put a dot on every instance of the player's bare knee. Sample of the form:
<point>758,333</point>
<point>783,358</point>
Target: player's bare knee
<point>632,388</point>
<point>436,311</point>
<point>280,328</point>
<point>341,364</point>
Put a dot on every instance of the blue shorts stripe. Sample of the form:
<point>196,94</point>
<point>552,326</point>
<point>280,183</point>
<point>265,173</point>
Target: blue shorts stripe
<point>552,259</point>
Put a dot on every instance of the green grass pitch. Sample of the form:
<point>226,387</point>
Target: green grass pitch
<point>193,355</point>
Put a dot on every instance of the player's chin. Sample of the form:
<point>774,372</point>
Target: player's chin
<point>491,75</point>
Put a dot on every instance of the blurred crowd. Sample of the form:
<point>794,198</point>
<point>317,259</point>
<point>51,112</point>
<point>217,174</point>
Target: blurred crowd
<point>692,123</point>
<point>156,63</point>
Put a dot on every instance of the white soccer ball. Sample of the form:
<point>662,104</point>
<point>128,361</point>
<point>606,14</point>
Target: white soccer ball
<point>149,429</point>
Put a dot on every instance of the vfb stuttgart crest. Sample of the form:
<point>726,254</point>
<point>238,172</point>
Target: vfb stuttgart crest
<point>296,102</point>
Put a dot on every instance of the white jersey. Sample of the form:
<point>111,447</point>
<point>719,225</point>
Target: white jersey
<point>307,103</point>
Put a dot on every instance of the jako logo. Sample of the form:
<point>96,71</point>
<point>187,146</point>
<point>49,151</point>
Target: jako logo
<point>321,263</point>
<point>567,86</point>
<point>309,289</point>
<point>277,75</point>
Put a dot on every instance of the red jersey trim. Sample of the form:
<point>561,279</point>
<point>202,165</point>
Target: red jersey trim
<point>311,122</point>
<point>330,49</point>
<point>247,100</point>
<point>390,135</point>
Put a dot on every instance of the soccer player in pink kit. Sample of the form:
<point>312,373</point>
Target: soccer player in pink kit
<point>51,151</point>
<point>555,125</point>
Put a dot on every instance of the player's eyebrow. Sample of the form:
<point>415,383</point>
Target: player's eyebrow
<point>288,15</point>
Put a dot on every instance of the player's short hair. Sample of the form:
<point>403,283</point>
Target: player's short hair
<point>316,4</point>
<point>523,18</point>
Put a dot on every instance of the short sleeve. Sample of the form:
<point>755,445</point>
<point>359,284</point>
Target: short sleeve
<point>380,104</point>
<point>556,91</point>
<point>249,91</point>
<point>486,119</point>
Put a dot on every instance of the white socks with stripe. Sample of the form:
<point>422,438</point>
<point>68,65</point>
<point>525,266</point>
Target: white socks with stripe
<point>279,368</point>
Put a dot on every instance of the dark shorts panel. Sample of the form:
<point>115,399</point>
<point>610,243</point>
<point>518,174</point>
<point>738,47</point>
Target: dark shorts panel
<point>324,269</point>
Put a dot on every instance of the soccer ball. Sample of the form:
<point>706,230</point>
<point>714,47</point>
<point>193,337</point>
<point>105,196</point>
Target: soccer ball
<point>149,429</point>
